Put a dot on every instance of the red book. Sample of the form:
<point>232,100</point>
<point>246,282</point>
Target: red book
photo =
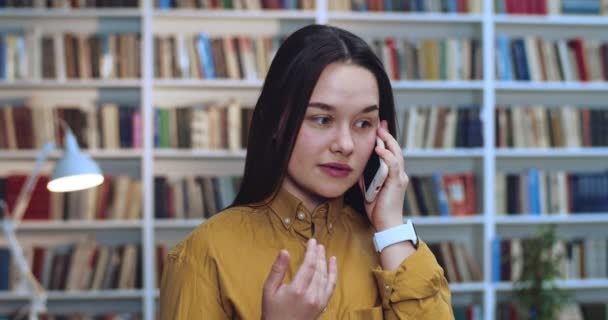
<point>455,190</point>
<point>38,262</point>
<point>394,63</point>
<point>542,7</point>
<point>576,44</point>
<point>470,192</point>
<point>38,207</point>
<point>461,6</point>
<point>104,198</point>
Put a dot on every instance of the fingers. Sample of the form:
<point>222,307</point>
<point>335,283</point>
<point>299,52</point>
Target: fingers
<point>390,143</point>
<point>332,277</point>
<point>277,272</point>
<point>307,270</point>
<point>321,272</point>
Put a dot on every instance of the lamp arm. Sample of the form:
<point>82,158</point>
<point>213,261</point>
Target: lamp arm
<point>26,192</point>
<point>38,297</point>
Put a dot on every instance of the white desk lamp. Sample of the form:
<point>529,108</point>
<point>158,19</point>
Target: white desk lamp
<point>74,171</point>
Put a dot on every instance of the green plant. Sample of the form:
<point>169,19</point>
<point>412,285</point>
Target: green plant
<point>536,289</point>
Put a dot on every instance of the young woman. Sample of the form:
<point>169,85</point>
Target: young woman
<point>325,100</point>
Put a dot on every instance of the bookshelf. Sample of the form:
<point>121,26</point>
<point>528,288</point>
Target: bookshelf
<point>477,231</point>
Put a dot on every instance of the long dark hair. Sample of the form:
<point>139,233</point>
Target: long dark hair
<point>282,104</point>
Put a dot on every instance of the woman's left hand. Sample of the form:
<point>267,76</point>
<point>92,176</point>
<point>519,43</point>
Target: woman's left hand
<point>386,210</point>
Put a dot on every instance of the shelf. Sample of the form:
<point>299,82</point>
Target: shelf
<point>81,225</point>
<point>564,284</point>
<point>467,287</point>
<point>214,83</point>
<point>70,84</point>
<point>557,20</point>
<point>78,295</point>
<point>447,221</point>
<point>404,17</point>
<point>553,153</point>
<point>420,221</point>
<point>97,154</point>
<point>197,154</point>
<point>552,219</point>
<point>71,13</point>
<point>551,86</point>
<point>257,84</point>
<point>234,14</point>
<point>443,153</point>
<point>437,85</point>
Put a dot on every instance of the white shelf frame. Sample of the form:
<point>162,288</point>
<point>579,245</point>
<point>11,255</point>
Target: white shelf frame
<point>489,87</point>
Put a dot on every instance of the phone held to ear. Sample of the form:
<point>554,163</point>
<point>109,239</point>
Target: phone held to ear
<point>374,174</point>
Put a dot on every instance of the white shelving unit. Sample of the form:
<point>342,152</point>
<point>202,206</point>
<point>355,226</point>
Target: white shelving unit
<point>145,163</point>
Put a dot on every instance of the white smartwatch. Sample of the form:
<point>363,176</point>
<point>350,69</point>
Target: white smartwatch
<point>396,234</point>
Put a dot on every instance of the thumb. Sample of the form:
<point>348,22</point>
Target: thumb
<point>277,272</point>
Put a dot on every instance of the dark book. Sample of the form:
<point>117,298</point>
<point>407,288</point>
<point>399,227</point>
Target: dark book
<point>160,197</point>
<point>5,269</point>
<point>22,118</point>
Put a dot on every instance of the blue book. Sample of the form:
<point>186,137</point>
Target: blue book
<point>164,4</point>
<point>156,127</point>
<point>5,264</point>
<point>452,6</point>
<point>442,198</point>
<point>388,5</point>
<point>519,56</point>
<point>206,56</point>
<point>504,63</point>
<point>496,259</point>
<point>2,56</point>
<point>534,191</point>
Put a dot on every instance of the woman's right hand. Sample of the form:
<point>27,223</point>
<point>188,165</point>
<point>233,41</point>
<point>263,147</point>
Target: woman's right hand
<point>307,295</point>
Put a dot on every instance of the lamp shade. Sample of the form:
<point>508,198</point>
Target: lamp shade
<point>75,170</point>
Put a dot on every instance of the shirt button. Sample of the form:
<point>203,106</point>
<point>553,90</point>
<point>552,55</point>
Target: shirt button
<point>301,215</point>
<point>330,226</point>
<point>387,287</point>
<point>286,220</point>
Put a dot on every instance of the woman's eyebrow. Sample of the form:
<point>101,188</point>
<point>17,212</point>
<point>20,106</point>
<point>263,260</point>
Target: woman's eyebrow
<point>327,107</point>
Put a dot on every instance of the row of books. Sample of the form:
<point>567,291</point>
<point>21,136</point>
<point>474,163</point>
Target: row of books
<point>532,58</point>
<point>539,192</point>
<point>106,126</point>
<point>551,127</point>
<point>36,55</point>
<point>68,4</point>
<point>196,197</point>
<point>551,7</point>
<point>457,262</point>
<point>439,127</point>
<point>447,6</point>
<point>449,194</point>
<point>236,4</point>
<point>579,258</point>
<point>200,56</point>
<point>570,311</point>
<point>193,197</point>
<point>117,198</point>
<point>430,59</point>
<point>79,265</point>
<point>210,125</point>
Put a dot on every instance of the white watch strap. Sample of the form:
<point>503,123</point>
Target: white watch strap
<point>396,234</point>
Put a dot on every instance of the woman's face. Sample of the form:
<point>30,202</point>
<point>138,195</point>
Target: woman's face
<point>337,135</point>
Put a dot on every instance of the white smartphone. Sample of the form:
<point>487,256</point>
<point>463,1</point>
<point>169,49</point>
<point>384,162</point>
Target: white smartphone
<point>374,174</point>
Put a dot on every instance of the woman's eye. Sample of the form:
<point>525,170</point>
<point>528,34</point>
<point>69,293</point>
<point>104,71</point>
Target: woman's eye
<point>322,120</point>
<point>363,124</point>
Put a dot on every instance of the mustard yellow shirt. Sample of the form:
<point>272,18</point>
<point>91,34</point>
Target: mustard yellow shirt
<point>219,270</point>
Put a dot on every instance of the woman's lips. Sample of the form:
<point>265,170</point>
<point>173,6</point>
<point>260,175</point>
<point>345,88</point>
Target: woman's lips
<point>337,170</point>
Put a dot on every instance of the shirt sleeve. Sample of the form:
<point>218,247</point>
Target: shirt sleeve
<point>189,288</point>
<point>418,289</point>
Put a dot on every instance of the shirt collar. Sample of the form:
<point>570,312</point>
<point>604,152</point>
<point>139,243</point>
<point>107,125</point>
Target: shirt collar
<point>288,208</point>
